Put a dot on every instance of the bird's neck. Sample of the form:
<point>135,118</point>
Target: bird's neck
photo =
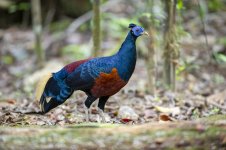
<point>128,45</point>
<point>127,56</point>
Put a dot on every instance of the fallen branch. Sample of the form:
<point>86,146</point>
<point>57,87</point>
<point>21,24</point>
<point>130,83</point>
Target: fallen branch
<point>80,21</point>
<point>216,104</point>
<point>217,99</point>
<point>87,16</point>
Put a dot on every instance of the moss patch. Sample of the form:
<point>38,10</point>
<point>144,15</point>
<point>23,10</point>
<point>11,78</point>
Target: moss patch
<point>97,136</point>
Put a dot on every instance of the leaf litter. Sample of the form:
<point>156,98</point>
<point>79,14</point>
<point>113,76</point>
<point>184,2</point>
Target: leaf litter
<point>200,90</point>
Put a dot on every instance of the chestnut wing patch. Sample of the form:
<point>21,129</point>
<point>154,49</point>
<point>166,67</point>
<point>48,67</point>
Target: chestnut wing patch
<point>107,84</point>
<point>72,66</point>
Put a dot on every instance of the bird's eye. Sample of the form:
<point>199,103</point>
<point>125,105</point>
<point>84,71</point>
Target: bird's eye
<point>137,30</point>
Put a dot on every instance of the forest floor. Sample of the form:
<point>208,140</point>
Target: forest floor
<point>194,116</point>
<point>207,133</point>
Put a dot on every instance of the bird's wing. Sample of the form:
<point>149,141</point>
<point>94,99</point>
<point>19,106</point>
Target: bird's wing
<point>55,85</point>
<point>84,76</point>
<point>68,69</point>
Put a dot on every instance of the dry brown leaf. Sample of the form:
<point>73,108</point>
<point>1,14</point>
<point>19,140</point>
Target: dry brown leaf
<point>11,101</point>
<point>164,118</point>
<point>159,141</point>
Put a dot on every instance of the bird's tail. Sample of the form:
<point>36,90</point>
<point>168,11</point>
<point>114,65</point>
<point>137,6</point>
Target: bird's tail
<point>49,94</point>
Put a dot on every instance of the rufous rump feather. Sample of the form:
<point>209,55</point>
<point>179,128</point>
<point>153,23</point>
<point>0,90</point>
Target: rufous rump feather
<point>41,86</point>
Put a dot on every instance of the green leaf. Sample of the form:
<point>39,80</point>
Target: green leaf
<point>7,59</point>
<point>203,10</point>
<point>180,5</point>
<point>215,5</point>
<point>24,6</point>
<point>12,9</point>
<point>222,57</point>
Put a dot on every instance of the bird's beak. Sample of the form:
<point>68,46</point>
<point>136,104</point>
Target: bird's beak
<point>145,33</point>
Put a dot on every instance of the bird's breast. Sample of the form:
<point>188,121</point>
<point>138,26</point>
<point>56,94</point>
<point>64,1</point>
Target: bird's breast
<point>107,84</point>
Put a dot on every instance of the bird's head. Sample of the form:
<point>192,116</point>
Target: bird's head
<point>137,30</point>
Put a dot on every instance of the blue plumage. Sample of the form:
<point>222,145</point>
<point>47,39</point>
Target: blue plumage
<point>105,74</point>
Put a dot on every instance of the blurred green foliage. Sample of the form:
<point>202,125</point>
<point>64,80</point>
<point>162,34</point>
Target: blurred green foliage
<point>216,5</point>
<point>185,67</point>
<point>196,113</point>
<point>7,59</point>
<point>85,27</point>
<point>220,58</point>
<point>215,111</point>
<point>203,10</point>
<point>115,27</point>
<point>222,41</point>
<point>218,79</point>
<point>181,33</point>
<point>23,6</point>
<point>118,24</point>
<point>180,5</point>
<point>154,21</point>
<point>75,52</point>
<point>74,8</point>
<point>60,25</point>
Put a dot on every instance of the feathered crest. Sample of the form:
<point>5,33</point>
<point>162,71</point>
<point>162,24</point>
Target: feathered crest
<point>132,25</point>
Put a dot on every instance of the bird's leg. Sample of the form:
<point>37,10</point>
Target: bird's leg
<point>86,113</point>
<point>96,104</point>
<point>101,105</point>
<point>101,113</point>
<point>88,103</point>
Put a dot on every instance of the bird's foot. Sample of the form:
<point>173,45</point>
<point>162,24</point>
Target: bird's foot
<point>101,113</point>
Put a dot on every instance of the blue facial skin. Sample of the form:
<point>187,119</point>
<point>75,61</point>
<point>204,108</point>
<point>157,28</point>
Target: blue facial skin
<point>137,30</point>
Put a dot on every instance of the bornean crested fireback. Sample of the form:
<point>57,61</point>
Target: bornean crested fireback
<point>99,77</point>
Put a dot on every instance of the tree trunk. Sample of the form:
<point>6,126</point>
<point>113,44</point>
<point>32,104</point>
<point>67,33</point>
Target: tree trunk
<point>96,27</point>
<point>147,21</point>
<point>171,50</point>
<point>37,28</point>
<point>151,62</point>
